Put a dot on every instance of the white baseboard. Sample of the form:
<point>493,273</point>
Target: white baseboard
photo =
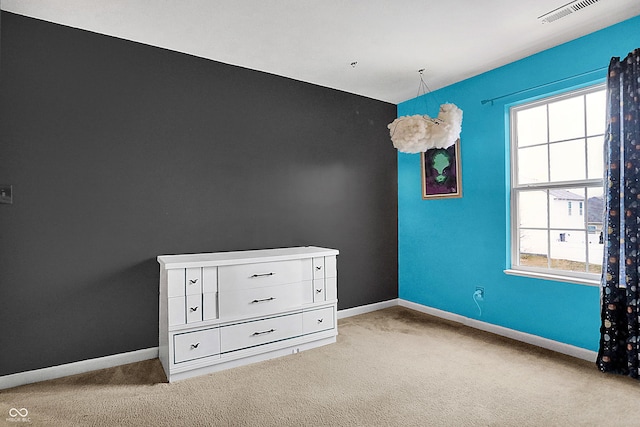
<point>53,372</point>
<point>28,377</point>
<point>570,350</point>
<point>366,308</point>
<point>21,378</point>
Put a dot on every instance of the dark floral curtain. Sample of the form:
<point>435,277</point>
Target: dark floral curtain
<point>620,330</point>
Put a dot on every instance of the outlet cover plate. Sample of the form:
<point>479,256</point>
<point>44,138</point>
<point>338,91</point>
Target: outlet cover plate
<point>6,194</point>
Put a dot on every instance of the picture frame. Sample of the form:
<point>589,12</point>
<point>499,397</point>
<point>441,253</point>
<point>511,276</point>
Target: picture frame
<point>441,172</point>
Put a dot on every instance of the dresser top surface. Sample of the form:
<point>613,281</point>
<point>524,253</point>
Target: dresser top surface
<point>242,257</point>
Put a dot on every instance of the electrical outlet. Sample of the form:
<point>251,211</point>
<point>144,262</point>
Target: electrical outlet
<point>479,293</point>
<point>6,194</point>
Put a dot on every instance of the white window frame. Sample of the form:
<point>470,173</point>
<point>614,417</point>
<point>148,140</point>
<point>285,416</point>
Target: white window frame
<point>530,271</point>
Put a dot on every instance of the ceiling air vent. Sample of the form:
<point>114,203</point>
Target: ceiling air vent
<point>565,10</point>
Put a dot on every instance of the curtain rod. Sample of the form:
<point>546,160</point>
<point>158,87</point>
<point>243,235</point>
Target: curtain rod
<point>485,101</point>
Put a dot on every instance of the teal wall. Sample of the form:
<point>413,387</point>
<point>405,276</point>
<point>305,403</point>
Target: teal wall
<point>448,247</point>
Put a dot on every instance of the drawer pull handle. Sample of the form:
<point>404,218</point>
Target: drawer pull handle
<point>193,281</point>
<point>261,275</point>
<point>262,300</point>
<point>318,291</point>
<point>320,320</point>
<point>193,308</point>
<point>319,267</point>
<point>194,346</point>
<point>255,334</point>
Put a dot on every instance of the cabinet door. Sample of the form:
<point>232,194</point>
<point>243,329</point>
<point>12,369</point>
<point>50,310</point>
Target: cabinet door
<point>331,278</point>
<point>209,279</point>
<point>331,288</point>
<point>210,306</point>
<point>330,266</point>
<point>176,311</point>
<point>175,283</point>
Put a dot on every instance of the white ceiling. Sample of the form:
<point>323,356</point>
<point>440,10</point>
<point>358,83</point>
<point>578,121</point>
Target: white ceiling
<point>317,41</point>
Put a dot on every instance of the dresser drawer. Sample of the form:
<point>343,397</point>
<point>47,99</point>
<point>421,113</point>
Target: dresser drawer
<point>194,308</point>
<point>196,345</point>
<point>265,300</point>
<point>318,268</point>
<point>193,281</point>
<point>317,320</point>
<point>251,334</point>
<point>247,276</point>
<point>318,290</point>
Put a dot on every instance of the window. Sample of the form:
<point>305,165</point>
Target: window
<point>557,174</point>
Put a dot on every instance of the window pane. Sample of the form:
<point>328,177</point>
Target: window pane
<point>595,218</point>
<point>595,206</point>
<point>566,208</point>
<point>568,250</point>
<point>596,112</point>
<point>596,157</point>
<point>532,164</point>
<point>566,119</point>
<point>532,209</point>
<point>533,248</point>
<point>596,251</point>
<point>567,162</point>
<point>532,126</point>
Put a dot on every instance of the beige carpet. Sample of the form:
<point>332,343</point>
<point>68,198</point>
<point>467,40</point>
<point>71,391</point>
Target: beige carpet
<point>393,367</point>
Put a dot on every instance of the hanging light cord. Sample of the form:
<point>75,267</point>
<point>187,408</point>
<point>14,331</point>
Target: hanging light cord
<point>424,88</point>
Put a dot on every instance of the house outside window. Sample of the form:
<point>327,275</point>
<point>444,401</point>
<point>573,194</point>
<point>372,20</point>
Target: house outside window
<point>557,174</point>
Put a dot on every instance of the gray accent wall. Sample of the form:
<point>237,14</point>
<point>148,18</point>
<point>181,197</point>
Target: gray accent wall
<point>119,152</point>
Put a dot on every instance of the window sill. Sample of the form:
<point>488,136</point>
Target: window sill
<point>554,277</point>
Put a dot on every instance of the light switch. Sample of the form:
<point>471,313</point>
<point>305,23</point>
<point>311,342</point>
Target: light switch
<point>6,194</point>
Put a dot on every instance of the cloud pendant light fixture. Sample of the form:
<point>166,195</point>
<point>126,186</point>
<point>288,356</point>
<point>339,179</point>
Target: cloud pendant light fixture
<point>419,133</point>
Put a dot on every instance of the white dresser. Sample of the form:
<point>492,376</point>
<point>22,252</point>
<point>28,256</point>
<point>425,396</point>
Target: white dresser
<point>226,309</point>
